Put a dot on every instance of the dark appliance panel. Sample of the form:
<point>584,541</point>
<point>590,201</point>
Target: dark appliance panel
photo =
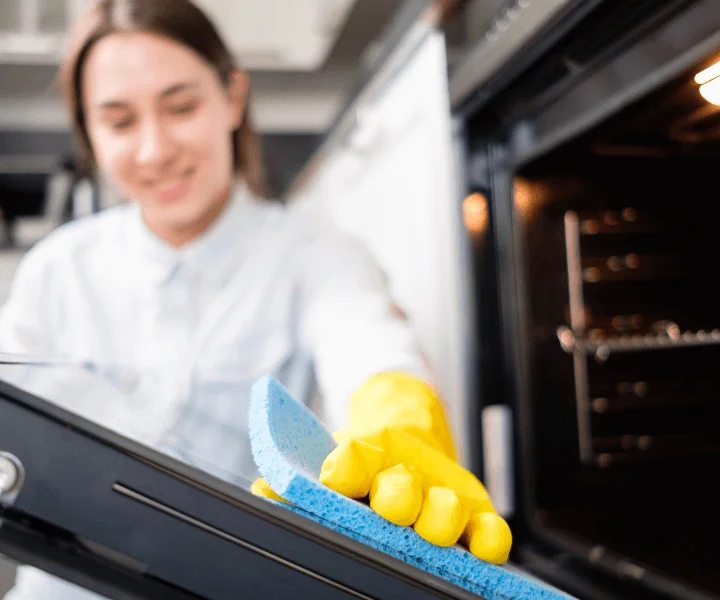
<point>602,234</point>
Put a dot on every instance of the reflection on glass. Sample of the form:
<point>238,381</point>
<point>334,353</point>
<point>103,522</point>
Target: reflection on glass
<point>45,586</point>
<point>9,15</point>
<point>475,212</point>
<point>7,575</point>
<point>207,430</point>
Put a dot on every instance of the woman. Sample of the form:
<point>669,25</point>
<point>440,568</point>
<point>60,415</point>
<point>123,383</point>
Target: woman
<point>198,278</point>
<point>198,284</point>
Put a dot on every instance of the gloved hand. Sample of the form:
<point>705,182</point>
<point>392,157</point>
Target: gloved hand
<point>398,450</point>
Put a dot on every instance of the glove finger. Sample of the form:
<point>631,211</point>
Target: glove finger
<point>351,467</point>
<point>396,494</point>
<point>489,537</point>
<point>260,487</point>
<point>443,517</point>
<point>435,468</point>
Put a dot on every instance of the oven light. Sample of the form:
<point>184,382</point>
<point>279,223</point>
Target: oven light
<point>708,74</point>
<point>709,81</point>
<point>529,197</point>
<point>475,212</point>
<point>711,91</point>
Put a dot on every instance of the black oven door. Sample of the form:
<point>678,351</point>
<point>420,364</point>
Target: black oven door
<point>103,509</point>
<point>589,485</point>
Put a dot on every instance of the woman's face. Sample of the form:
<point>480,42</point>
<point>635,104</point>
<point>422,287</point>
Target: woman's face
<point>160,122</point>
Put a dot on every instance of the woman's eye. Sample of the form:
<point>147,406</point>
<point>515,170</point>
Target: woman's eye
<point>182,109</point>
<point>122,124</point>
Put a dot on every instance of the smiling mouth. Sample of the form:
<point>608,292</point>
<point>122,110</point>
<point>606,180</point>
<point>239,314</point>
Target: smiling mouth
<point>176,188</point>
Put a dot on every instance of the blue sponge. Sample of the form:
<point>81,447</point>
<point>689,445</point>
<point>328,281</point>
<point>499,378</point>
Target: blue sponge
<point>289,445</point>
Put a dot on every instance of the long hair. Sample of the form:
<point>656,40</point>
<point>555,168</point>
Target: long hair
<point>178,20</point>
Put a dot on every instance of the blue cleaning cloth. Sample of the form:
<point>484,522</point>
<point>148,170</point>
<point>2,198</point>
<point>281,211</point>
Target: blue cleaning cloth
<point>289,445</point>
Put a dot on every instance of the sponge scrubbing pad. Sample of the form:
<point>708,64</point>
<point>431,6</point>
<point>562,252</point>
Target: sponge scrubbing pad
<point>289,445</point>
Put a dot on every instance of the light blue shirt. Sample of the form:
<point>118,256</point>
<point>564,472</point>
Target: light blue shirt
<point>267,290</point>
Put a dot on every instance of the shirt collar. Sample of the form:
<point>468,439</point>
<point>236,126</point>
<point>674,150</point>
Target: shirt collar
<point>210,254</point>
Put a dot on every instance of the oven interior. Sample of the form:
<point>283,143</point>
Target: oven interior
<point>621,242</point>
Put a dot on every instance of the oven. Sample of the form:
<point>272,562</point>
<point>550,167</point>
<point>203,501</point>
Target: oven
<point>593,163</point>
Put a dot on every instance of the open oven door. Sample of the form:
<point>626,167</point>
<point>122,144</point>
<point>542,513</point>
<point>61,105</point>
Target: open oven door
<point>104,505</point>
<point>590,161</point>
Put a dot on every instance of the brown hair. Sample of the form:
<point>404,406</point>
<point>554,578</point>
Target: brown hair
<point>178,20</point>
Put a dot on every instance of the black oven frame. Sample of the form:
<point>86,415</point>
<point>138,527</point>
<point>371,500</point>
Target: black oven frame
<point>500,133</point>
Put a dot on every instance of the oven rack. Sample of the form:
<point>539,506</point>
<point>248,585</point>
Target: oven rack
<point>638,449</point>
<point>576,341</point>
<point>571,341</point>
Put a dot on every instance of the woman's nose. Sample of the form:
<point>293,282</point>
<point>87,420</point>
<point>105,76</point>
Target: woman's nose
<point>155,147</point>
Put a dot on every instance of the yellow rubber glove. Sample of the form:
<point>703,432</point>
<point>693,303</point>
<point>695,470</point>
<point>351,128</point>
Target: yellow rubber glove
<point>398,450</point>
<point>260,487</point>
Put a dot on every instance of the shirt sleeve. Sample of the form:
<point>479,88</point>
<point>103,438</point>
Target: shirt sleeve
<point>349,323</point>
<point>24,327</point>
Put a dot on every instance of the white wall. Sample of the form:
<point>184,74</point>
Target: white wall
<point>394,185</point>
